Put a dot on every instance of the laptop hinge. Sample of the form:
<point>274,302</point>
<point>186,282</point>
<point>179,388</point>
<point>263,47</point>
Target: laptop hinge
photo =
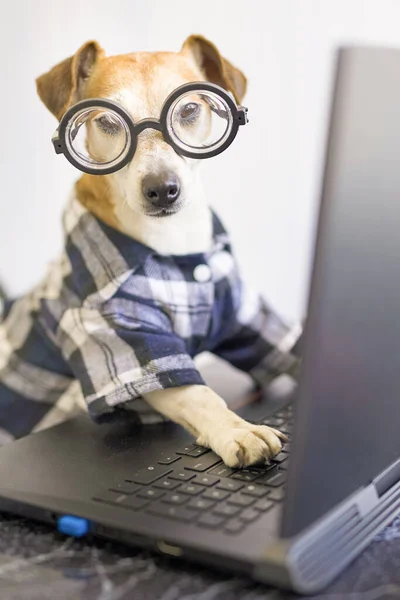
<point>388,478</point>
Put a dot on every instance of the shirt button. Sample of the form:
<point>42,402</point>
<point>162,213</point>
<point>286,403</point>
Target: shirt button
<point>202,273</point>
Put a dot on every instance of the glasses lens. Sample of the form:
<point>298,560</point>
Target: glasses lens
<point>199,121</point>
<point>97,137</point>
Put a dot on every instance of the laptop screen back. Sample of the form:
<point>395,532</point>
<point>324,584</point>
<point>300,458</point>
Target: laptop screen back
<point>348,409</point>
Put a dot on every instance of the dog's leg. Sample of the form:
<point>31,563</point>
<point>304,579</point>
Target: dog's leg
<point>205,415</point>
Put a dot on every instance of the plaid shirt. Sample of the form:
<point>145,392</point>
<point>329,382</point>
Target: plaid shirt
<point>124,321</point>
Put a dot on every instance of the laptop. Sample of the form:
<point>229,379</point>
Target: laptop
<point>299,521</point>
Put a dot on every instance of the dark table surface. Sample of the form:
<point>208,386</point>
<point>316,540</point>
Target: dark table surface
<point>37,563</point>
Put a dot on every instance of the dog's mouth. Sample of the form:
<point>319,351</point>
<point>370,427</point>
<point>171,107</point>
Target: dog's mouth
<point>159,213</point>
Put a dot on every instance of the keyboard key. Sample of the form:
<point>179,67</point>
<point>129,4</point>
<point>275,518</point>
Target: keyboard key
<point>185,449</point>
<point>207,480</point>
<point>134,503</point>
<point>168,460</point>
<point>174,498</point>
<point>230,485</point>
<point>173,512</point>
<point>287,448</point>
<point>264,480</point>
<point>125,487</point>
<point>209,520</point>
<point>198,451</point>
<point>110,497</point>
<point>280,414</point>
<point>249,515</point>
<point>182,476</point>
<point>226,510</point>
<point>277,494</point>
<point>204,463</point>
<point>284,466</point>
<point>215,494</point>
<point>222,471</point>
<point>270,466</point>
<point>280,458</point>
<point>191,489</point>
<point>150,494</point>
<point>166,484</point>
<point>276,480</point>
<point>259,469</point>
<point>263,504</point>
<point>287,411</point>
<point>246,475</point>
<point>286,416</point>
<point>274,421</point>
<point>287,428</point>
<point>233,526</point>
<point>241,500</point>
<point>255,490</point>
<point>199,503</point>
<point>150,474</point>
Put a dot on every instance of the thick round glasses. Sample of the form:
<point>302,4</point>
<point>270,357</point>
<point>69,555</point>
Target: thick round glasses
<point>199,120</point>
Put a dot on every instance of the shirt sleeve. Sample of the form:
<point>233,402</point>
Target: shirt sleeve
<point>118,358</point>
<point>261,344</point>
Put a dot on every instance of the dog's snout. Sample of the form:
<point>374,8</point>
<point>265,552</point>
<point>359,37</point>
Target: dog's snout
<point>161,189</point>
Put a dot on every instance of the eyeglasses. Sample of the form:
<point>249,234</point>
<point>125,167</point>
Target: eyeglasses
<point>199,120</point>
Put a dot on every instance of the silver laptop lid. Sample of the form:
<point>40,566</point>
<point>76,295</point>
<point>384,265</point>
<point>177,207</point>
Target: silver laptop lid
<point>348,410</point>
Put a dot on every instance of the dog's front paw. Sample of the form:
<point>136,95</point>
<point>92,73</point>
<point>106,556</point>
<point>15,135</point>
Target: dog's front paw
<point>244,444</point>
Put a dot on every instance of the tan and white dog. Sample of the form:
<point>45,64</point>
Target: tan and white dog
<point>140,82</point>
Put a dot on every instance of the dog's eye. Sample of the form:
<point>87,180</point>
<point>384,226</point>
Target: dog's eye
<point>189,112</point>
<point>108,124</point>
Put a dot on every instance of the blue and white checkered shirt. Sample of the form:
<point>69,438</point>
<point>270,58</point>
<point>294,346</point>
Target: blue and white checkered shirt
<point>123,321</point>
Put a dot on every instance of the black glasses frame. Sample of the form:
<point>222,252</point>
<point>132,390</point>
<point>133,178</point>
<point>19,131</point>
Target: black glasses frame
<point>239,117</point>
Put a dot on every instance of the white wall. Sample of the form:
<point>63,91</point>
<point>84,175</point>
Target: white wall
<point>265,186</point>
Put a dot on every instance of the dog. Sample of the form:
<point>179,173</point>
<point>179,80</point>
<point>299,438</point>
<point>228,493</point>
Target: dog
<point>120,315</point>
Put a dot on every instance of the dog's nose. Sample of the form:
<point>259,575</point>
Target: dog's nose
<point>161,189</point>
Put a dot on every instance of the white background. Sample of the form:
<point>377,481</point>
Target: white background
<point>265,186</point>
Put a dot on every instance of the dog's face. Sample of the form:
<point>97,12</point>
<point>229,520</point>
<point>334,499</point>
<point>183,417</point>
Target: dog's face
<point>157,182</point>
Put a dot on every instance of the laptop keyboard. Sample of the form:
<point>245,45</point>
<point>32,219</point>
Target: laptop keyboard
<point>193,485</point>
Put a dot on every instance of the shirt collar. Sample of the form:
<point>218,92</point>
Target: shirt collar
<point>115,252</point>
<point>135,253</point>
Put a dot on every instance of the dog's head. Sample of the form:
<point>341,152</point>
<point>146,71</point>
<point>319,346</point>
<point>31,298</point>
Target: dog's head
<point>158,181</point>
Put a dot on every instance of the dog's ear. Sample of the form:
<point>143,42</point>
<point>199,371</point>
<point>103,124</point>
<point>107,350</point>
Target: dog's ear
<point>64,83</point>
<point>214,66</point>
